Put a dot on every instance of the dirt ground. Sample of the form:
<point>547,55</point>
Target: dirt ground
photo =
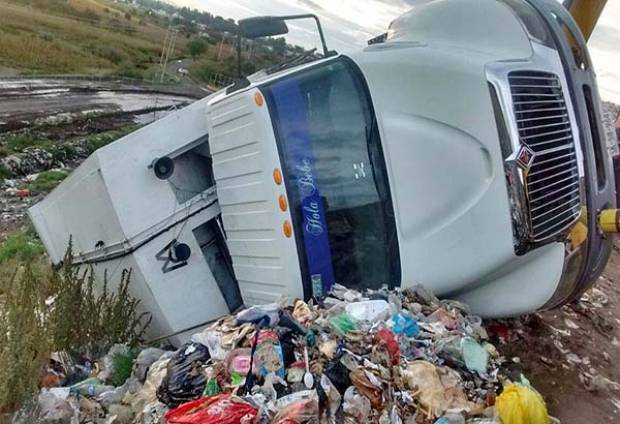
<point>571,354</point>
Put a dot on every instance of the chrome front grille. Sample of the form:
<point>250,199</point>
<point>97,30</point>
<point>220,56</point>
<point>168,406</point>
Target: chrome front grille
<point>551,176</point>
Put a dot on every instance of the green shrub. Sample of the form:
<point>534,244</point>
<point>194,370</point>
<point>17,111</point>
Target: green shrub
<point>196,48</point>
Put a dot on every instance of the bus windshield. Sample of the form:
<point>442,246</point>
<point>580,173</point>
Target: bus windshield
<point>335,177</point>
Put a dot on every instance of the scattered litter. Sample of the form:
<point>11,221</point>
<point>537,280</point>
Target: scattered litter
<point>389,357</point>
<point>596,297</point>
<point>598,383</point>
<point>570,324</point>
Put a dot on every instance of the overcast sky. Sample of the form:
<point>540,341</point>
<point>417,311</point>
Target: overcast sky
<point>350,23</point>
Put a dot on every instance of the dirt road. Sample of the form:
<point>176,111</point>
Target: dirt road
<point>30,101</point>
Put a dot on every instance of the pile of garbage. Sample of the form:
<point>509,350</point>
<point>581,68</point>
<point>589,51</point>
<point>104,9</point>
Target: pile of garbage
<point>384,356</point>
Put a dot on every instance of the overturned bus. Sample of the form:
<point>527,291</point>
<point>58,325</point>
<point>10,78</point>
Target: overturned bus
<point>462,151</point>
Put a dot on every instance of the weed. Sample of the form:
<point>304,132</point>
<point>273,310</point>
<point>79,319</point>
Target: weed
<point>46,181</point>
<point>24,342</point>
<point>122,364</point>
<point>105,319</point>
<point>18,142</point>
<point>44,310</point>
<point>22,246</point>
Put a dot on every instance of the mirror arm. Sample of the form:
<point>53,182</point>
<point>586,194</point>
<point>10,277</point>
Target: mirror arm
<point>239,74</point>
<point>326,52</point>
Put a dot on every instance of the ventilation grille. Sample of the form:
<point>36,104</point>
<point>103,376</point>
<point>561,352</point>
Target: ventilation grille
<point>552,189</point>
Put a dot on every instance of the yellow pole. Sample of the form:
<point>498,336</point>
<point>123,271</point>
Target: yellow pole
<point>586,14</point>
<point>609,220</point>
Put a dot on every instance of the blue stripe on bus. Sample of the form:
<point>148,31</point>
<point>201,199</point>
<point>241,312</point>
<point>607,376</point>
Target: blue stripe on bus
<point>300,166</point>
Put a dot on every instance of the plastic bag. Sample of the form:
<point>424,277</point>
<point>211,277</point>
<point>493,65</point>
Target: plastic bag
<point>475,356</point>
<point>422,375</point>
<point>451,419</point>
<point>361,379</point>
<point>212,340</point>
<point>184,380</point>
<point>386,337</point>
<point>299,407</point>
<point>55,405</point>
<point>90,387</point>
<point>343,323</point>
<point>355,406</point>
<point>369,310</point>
<point>333,396</point>
<point>220,409</point>
<point>257,312</point>
<point>268,355</point>
<point>338,374</point>
<point>404,324</point>
<point>464,351</point>
<point>521,405</point>
<point>145,359</point>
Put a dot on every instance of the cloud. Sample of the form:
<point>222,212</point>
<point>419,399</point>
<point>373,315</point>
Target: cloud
<point>311,5</point>
<point>348,24</point>
<point>606,37</point>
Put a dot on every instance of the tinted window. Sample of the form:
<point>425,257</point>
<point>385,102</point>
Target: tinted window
<point>335,177</point>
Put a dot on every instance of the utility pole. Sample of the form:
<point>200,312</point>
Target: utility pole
<point>219,52</point>
<point>163,49</point>
<point>168,48</point>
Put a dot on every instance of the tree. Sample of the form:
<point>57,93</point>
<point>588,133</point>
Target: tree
<point>196,48</point>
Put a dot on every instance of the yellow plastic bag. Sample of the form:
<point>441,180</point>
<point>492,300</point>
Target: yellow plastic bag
<point>521,405</point>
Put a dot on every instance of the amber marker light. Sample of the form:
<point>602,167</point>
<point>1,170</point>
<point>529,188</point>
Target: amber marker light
<point>283,203</point>
<point>277,176</point>
<point>287,228</point>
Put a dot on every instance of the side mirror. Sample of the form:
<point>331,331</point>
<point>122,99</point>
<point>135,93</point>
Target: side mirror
<point>262,26</point>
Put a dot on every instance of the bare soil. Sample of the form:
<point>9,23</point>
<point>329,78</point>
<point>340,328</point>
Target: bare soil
<point>571,354</point>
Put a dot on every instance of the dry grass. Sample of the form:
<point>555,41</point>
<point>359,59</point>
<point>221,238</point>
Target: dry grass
<point>50,41</point>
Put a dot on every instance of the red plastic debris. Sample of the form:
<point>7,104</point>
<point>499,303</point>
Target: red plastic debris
<point>219,409</point>
<point>387,337</point>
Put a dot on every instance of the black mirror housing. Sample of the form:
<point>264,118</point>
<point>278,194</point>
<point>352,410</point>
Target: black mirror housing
<point>262,26</point>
